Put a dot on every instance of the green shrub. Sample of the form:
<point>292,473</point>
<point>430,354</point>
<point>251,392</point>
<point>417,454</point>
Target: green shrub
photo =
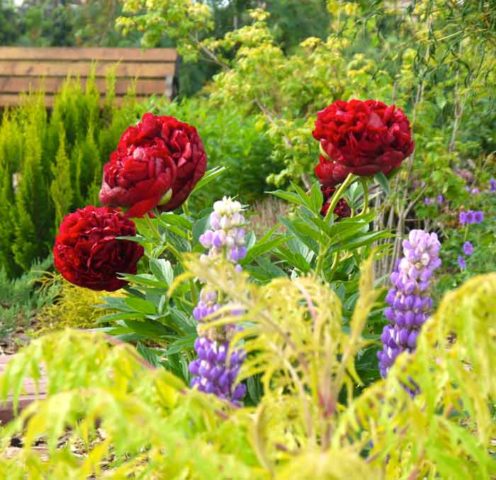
<point>51,163</point>
<point>21,299</point>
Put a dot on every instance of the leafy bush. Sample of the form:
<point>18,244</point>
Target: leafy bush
<point>51,163</point>
<point>307,424</point>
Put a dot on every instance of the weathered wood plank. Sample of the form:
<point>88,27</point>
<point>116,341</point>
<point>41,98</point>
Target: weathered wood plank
<point>31,392</point>
<point>12,99</point>
<point>162,55</point>
<point>143,86</point>
<point>63,69</point>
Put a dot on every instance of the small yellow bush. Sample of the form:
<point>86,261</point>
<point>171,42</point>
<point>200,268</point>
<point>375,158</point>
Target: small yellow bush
<point>75,307</point>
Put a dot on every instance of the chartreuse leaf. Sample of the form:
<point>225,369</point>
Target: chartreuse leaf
<point>309,235</point>
<point>140,305</point>
<point>290,197</point>
<point>358,241</point>
<point>316,198</point>
<point>294,259</point>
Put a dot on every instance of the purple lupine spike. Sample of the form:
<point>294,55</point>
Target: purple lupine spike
<point>215,370</point>
<point>408,299</point>
<point>216,367</point>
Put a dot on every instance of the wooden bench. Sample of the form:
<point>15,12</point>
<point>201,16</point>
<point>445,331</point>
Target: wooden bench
<point>29,394</point>
<point>31,391</point>
<point>24,69</point>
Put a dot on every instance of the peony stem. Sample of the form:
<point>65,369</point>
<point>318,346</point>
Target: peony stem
<point>338,194</point>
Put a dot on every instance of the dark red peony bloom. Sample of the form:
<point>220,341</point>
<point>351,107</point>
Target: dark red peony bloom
<point>157,163</point>
<point>87,252</point>
<point>330,173</point>
<point>364,137</point>
<point>342,208</point>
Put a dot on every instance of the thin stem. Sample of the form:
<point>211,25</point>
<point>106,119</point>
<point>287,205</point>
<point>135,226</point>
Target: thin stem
<point>365,186</point>
<point>338,194</point>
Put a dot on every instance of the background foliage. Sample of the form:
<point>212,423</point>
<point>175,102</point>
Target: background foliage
<point>432,58</point>
<point>21,299</point>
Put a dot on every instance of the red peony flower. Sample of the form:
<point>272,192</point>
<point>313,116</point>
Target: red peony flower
<point>330,173</point>
<point>364,137</point>
<point>87,252</point>
<point>342,208</point>
<point>157,163</point>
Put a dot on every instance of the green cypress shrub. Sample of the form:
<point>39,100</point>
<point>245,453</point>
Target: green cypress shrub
<point>7,230</point>
<point>11,146</point>
<point>60,187</point>
<point>31,198</point>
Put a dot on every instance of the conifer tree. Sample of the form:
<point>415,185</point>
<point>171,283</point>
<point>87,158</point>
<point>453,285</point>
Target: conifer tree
<point>92,164</point>
<point>60,188</point>
<point>33,207</point>
<point>7,231</point>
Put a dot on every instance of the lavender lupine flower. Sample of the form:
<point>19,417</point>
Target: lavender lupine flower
<point>207,305</point>
<point>217,366</point>
<point>215,370</point>
<point>468,248</point>
<point>492,185</point>
<point>461,262</point>
<point>227,235</point>
<point>440,199</point>
<point>409,300</point>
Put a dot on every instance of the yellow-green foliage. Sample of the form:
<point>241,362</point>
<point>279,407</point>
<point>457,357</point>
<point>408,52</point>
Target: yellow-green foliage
<point>75,307</point>
<point>307,425</point>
